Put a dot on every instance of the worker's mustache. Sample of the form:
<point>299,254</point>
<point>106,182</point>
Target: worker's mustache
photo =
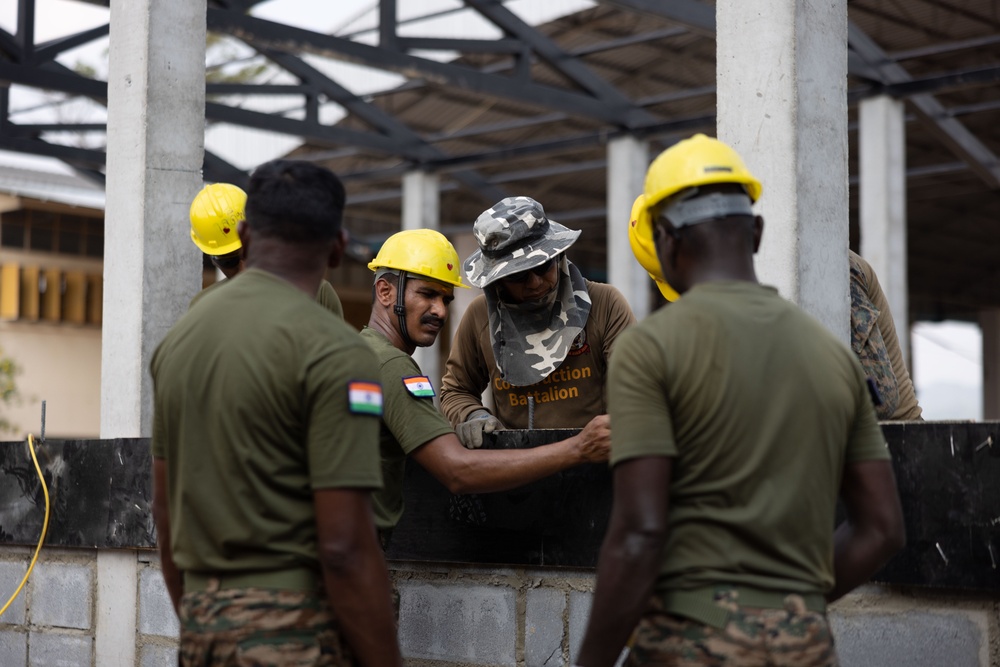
<point>432,319</point>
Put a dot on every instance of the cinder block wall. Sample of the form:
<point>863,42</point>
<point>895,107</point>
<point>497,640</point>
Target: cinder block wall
<point>456,616</point>
<point>53,622</point>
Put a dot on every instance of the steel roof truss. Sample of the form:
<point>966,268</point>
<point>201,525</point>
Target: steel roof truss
<point>935,117</point>
<point>283,38</point>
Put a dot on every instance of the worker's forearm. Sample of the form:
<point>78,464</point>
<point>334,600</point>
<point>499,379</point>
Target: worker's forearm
<point>359,593</point>
<point>171,577</point>
<point>858,554</point>
<point>626,573</point>
<point>488,471</point>
<point>457,404</point>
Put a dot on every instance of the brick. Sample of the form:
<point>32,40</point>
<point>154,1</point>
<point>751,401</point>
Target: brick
<point>471,624</point>
<point>62,595</point>
<point>156,612</point>
<point>153,655</point>
<point>52,650</point>
<point>13,647</point>
<point>11,573</point>
<point>579,614</point>
<point>543,627</point>
<point>911,638</point>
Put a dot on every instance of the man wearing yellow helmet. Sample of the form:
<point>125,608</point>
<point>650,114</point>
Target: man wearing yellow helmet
<point>873,332</point>
<point>539,337</point>
<point>215,213</point>
<point>738,420</point>
<point>416,273</point>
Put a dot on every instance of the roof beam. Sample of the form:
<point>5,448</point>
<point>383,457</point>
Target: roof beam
<point>26,28</point>
<point>700,18</point>
<point>696,15</point>
<point>217,170</point>
<point>463,45</point>
<point>572,68</point>
<point>416,148</point>
<point>960,80</point>
<point>323,134</point>
<point>56,78</point>
<point>49,50</point>
<point>284,38</point>
<point>932,113</point>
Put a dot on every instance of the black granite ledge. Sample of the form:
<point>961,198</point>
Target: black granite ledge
<point>947,474</point>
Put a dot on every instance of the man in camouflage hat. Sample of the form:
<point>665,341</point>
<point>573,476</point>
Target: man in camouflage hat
<point>416,273</point>
<point>540,335</point>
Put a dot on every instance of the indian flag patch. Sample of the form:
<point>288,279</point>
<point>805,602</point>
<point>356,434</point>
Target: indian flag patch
<point>420,386</point>
<point>364,398</point>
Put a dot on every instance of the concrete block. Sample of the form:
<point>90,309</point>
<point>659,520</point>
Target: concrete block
<point>11,573</point>
<point>52,650</point>
<point>153,655</point>
<point>13,647</point>
<point>156,612</point>
<point>62,595</point>
<point>456,623</point>
<point>543,627</point>
<point>579,614</point>
<point>957,639</point>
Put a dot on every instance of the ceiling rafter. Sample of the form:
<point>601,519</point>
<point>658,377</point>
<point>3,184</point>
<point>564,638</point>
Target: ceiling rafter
<point>421,150</point>
<point>931,112</point>
<point>281,37</point>
<point>700,18</point>
<point>569,66</point>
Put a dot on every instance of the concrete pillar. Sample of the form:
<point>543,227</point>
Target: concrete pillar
<point>989,323</point>
<point>782,104</point>
<point>628,158</point>
<point>882,190</point>
<point>421,206</point>
<point>156,101</point>
<point>465,244</point>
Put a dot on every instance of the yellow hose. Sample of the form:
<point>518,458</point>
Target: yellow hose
<point>45,524</point>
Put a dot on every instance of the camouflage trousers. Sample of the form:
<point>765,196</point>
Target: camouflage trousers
<point>256,627</point>
<point>789,637</point>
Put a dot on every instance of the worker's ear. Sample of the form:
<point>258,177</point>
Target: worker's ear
<point>758,231</point>
<point>337,249</point>
<point>385,292</point>
<point>243,231</point>
<point>665,241</point>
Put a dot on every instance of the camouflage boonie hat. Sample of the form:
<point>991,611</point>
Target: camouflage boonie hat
<point>514,235</point>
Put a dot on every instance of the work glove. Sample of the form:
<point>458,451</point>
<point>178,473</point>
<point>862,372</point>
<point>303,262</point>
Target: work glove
<point>470,432</point>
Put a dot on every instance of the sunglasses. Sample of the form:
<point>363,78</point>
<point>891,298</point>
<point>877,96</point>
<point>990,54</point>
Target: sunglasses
<point>540,270</point>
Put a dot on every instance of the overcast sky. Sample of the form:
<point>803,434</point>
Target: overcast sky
<point>947,367</point>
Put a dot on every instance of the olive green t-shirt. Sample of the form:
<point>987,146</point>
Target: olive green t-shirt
<point>760,408</point>
<point>261,396</point>
<point>326,296</point>
<point>409,420</point>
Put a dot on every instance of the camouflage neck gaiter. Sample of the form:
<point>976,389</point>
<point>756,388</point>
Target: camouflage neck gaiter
<point>530,340</point>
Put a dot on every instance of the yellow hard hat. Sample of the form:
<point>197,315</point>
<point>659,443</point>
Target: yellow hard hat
<point>215,212</point>
<point>640,237</point>
<point>699,160</point>
<point>423,252</point>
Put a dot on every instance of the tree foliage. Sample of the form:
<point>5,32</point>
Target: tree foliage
<point>9,395</point>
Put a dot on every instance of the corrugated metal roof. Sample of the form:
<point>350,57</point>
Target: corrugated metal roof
<point>954,217</point>
<point>46,186</point>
